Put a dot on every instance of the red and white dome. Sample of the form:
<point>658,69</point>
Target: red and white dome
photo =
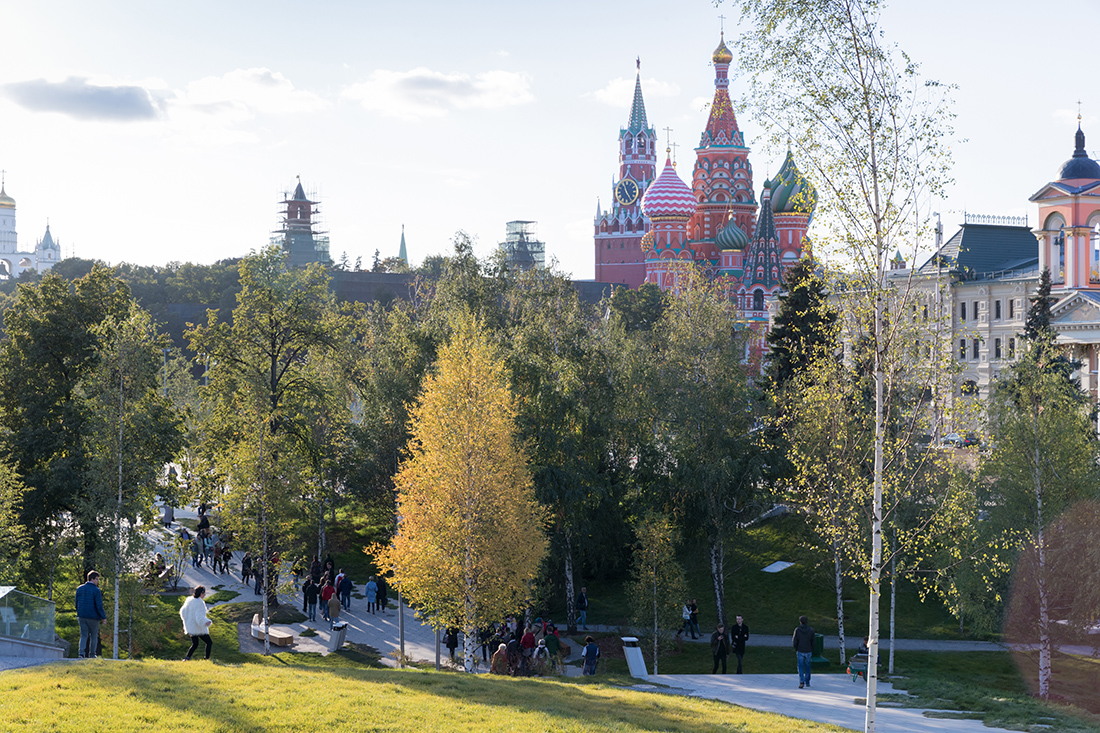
<point>668,196</point>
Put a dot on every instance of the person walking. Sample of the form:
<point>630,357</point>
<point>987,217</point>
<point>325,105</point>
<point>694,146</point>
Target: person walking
<point>499,665</point>
<point>370,591</point>
<point>315,570</point>
<point>344,590</point>
<point>89,613</point>
<point>246,568</point>
<point>381,600</point>
<point>312,593</point>
<point>334,608</point>
<point>326,595</point>
<point>685,614</point>
<point>581,605</point>
<point>591,656</point>
<point>803,642</point>
<point>739,634</point>
<point>196,623</point>
<point>720,648</point>
<point>452,641</point>
<point>694,608</point>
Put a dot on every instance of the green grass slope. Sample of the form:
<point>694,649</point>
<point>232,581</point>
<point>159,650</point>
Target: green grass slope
<point>93,696</point>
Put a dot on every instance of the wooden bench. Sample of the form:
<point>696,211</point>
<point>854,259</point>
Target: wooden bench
<point>278,636</point>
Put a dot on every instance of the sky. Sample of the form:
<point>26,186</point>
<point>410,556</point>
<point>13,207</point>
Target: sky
<point>156,132</point>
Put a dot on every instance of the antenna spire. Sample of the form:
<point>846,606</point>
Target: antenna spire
<point>638,64</point>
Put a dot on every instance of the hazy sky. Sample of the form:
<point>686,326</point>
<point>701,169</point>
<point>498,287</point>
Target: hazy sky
<point>151,132</point>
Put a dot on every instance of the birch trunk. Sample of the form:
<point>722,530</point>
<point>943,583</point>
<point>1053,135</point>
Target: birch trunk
<point>893,607</point>
<point>1040,540</point>
<point>570,598</point>
<point>718,577</point>
<point>876,515</point>
<point>839,579</point>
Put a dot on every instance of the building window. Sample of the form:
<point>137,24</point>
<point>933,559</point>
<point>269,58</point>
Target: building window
<point>962,311</point>
<point>996,310</point>
<point>1012,348</point>
<point>974,350</point>
<point>1011,308</point>
<point>758,300</point>
<point>976,310</point>
<point>962,348</point>
<point>996,348</point>
<point>926,311</point>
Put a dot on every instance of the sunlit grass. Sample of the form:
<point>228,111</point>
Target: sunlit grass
<point>100,695</point>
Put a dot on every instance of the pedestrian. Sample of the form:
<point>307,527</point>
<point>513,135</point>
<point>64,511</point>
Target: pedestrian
<point>553,647</point>
<point>196,623</point>
<point>333,609</point>
<point>217,556</point>
<point>89,613</point>
<point>370,591</point>
<point>452,641</point>
<point>540,658</point>
<point>311,592</point>
<point>581,605</point>
<point>499,664</point>
<point>483,636</point>
<point>803,642</point>
<point>694,608</point>
<point>315,570</point>
<point>527,643</point>
<point>720,648</point>
<point>246,568</point>
<point>381,599</point>
<point>739,634</point>
<point>344,590</point>
<point>326,595</point>
<point>208,547</point>
<point>196,550</point>
<point>259,574</point>
<point>591,656</point>
<point>685,614</point>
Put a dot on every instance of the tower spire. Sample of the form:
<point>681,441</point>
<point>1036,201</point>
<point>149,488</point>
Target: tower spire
<point>401,253</point>
<point>638,120</point>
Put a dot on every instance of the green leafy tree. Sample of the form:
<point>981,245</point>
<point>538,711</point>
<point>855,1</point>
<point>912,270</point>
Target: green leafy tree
<point>657,589</point>
<point>471,533</point>
<point>257,435</point>
<point>14,539</point>
<point>873,135</point>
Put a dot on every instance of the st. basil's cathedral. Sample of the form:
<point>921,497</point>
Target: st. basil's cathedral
<point>657,223</point>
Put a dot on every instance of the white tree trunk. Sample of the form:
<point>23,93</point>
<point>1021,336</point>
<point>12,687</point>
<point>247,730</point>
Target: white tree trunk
<point>876,515</point>
<point>1044,622</point>
<point>718,577</point>
<point>839,580</point>
<point>570,598</point>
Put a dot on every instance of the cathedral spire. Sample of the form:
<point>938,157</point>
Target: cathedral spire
<point>638,120</point>
<point>401,253</point>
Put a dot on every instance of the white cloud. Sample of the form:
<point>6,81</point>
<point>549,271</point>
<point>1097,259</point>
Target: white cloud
<point>620,92</point>
<point>241,94</point>
<point>422,92</point>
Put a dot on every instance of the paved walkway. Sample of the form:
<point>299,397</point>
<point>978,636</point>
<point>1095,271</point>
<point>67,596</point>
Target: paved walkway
<point>831,698</point>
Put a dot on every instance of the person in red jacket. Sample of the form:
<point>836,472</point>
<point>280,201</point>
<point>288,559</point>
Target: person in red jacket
<point>326,593</point>
<point>528,644</point>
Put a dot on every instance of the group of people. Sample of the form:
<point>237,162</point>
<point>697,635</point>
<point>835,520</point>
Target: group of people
<point>723,643</point>
<point>534,652</point>
<point>331,589</point>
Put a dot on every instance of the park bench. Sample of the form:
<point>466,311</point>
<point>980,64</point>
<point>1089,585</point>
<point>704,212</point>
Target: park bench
<point>278,637</point>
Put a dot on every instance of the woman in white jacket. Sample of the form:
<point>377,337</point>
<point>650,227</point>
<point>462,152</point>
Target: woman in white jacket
<point>196,624</point>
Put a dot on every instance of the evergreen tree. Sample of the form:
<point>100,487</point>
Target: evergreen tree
<point>1037,328</point>
<point>805,327</point>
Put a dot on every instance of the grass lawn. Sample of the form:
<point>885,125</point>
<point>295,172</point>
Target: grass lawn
<point>772,602</point>
<point>103,695</point>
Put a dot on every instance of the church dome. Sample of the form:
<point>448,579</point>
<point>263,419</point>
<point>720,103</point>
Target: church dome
<point>732,237</point>
<point>648,241</point>
<point>722,54</point>
<point>6,201</point>
<point>792,193</point>
<point>668,196</point>
<point>1080,165</point>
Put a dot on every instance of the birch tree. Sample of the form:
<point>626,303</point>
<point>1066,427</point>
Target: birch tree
<point>470,532</point>
<point>872,135</point>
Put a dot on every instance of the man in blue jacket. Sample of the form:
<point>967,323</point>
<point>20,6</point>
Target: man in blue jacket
<point>89,611</point>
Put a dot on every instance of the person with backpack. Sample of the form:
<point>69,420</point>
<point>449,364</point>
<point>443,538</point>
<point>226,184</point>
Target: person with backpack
<point>312,592</point>
<point>591,656</point>
<point>326,595</point>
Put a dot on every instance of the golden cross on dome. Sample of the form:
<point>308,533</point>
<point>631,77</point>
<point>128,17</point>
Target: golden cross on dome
<point>668,138</point>
<point>1078,112</point>
<point>674,146</point>
<point>722,19</point>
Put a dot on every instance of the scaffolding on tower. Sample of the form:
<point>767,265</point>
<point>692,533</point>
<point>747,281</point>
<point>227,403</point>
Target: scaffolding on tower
<point>522,249</point>
<point>300,235</point>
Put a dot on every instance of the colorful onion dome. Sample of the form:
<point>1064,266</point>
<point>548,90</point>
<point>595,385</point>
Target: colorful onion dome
<point>792,193</point>
<point>649,241</point>
<point>732,237</point>
<point>1080,165</point>
<point>6,201</point>
<point>668,196</point>
<point>722,54</point>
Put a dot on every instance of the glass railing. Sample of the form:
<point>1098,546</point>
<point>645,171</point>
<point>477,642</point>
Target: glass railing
<point>25,616</point>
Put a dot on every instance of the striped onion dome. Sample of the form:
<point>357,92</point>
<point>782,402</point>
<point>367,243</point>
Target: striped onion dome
<point>649,241</point>
<point>668,196</point>
<point>732,237</point>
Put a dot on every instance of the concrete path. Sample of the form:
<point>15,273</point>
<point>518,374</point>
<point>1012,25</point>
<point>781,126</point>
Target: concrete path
<point>831,698</point>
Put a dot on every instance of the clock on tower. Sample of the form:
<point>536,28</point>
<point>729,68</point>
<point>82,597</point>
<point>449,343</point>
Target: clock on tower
<point>626,192</point>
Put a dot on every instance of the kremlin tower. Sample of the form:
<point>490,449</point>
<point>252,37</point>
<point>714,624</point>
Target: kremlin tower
<point>619,229</point>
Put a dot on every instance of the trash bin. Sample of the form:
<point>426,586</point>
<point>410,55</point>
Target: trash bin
<point>634,660</point>
<point>339,634</point>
